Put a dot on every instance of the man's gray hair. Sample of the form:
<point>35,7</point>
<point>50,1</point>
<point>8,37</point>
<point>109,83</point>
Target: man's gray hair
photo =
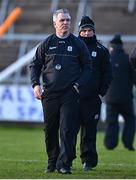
<point>55,14</point>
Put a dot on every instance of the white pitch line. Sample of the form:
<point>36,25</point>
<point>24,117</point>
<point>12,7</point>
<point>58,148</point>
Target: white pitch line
<point>120,164</point>
<point>37,161</point>
<point>22,160</point>
<point>112,164</point>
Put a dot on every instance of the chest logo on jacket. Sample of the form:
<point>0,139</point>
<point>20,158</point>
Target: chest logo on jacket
<point>53,47</point>
<point>69,48</point>
<point>58,67</point>
<point>61,42</point>
<point>94,53</point>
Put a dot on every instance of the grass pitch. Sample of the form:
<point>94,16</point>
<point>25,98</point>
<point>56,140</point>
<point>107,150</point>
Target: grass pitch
<point>22,156</point>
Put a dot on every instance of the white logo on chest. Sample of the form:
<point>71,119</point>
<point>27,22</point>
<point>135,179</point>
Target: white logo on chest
<point>94,53</point>
<point>53,47</point>
<point>58,67</point>
<point>69,48</point>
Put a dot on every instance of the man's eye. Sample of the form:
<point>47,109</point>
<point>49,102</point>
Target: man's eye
<point>68,20</point>
<point>62,20</point>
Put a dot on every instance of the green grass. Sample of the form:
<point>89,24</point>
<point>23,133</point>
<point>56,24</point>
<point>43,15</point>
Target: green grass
<point>22,156</point>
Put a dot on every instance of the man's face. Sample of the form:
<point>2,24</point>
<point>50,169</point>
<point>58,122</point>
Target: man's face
<point>87,32</point>
<point>62,23</point>
<point>111,49</point>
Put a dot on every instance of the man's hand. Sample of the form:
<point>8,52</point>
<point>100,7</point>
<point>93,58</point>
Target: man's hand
<point>38,92</point>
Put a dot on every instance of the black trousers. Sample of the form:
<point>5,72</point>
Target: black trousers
<point>61,113</point>
<point>112,125</point>
<point>89,114</point>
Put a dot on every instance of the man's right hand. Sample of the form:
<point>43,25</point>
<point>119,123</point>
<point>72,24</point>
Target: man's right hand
<point>38,92</point>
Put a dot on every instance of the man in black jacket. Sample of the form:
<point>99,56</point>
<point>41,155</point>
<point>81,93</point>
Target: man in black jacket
<point>133,57</point>
<point>64,62</point>
<point>119,99</point>
<point>91,105</point>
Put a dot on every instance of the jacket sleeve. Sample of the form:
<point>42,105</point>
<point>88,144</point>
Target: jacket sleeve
<point>133,58</point>
<point>132,73</point>
<point>106,73</point>
<point>134,77</point>
<point>86,65</point>
<point>36,65</point>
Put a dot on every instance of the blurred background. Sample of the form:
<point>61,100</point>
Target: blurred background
<point>24,23</point>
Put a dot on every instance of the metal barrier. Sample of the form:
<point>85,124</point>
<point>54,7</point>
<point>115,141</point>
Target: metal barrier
<point>24,60</point>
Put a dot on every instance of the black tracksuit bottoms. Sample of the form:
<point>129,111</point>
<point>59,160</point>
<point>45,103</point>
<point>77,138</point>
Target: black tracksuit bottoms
<point>89,115</point>
<point>112,125</point>
<point>61,117</point>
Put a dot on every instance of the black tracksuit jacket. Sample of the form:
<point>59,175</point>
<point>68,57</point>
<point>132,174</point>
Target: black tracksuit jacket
<point>102,74</point>
<point>63,62</point>
<point>120,90</point>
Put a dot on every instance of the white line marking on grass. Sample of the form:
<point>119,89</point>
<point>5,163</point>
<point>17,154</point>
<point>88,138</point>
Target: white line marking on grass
<point>111,164</point>
<point>22,160</point>
<point>38,161</point>
<point>114,164</point>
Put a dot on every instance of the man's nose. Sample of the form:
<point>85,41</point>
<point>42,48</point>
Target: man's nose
<point>86,33</point>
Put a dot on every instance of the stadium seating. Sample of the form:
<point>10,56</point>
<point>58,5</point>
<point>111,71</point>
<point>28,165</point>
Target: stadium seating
<point>109,17</point>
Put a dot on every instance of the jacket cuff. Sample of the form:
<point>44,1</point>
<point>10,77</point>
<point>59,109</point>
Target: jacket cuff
<point>35,84</point>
